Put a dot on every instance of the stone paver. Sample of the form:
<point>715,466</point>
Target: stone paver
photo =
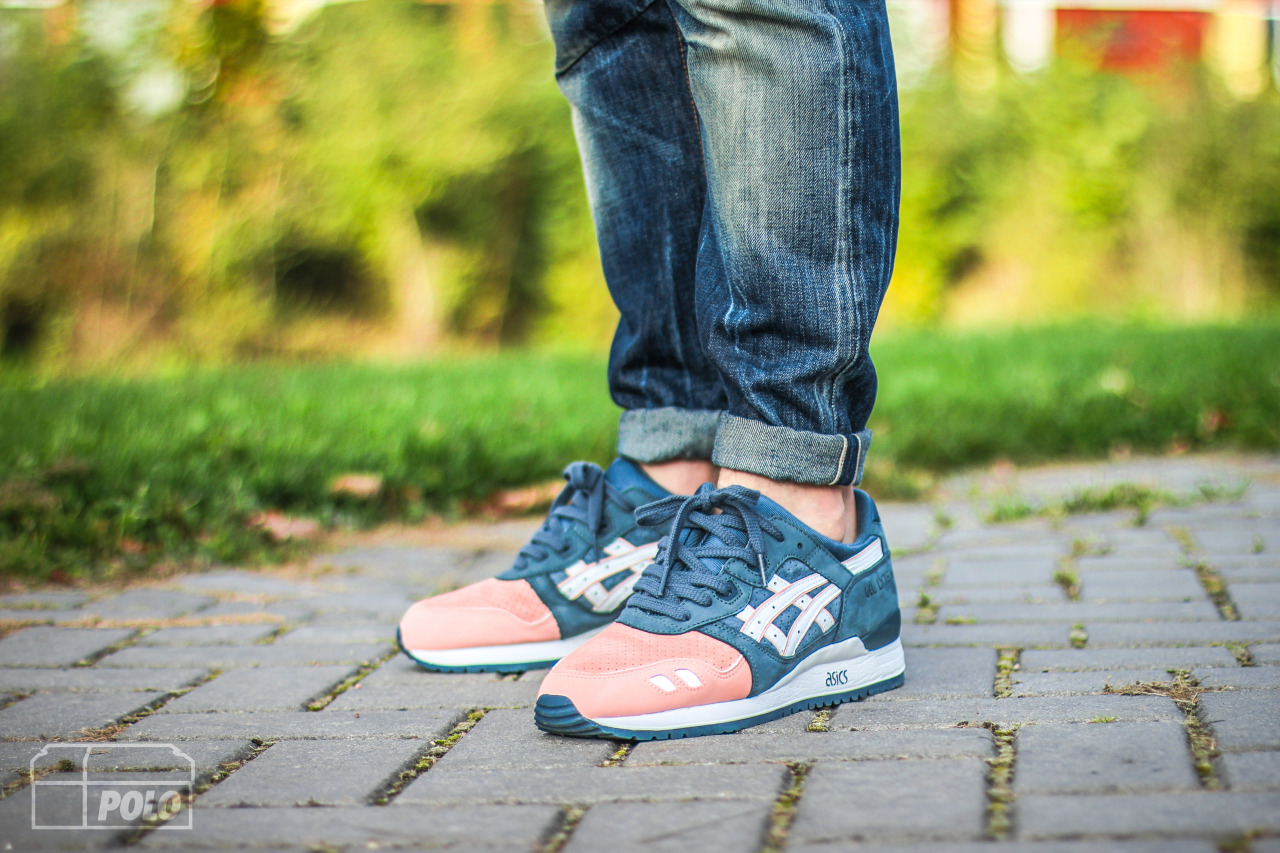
<point>1098,758</point>
<point>1076,660</point>
<point>1251,771</point>
<point>1093,681</point>
<point>932,713</point>
<point>316,772</point>
<point>229,657</point>
<point>146,604</point>
<point>268,688</point>
<point>1265,652</point>
<point>1141,585</point>
<point>947,673</point>
<point>884,800</point>
<point>52,715</point>
<point>1202,814</point>
<point>1243,720</point>
<point>222,665</point>
<point>508,739</point>
<point>83,679</point>
<point>275,725</point>
<point>43,646</point>
<point>209,635</point>
<point>368,828</point>
<point>596,784</point>
<point>671,828</point>
<point>817,746</point>
<point>1239,677</point>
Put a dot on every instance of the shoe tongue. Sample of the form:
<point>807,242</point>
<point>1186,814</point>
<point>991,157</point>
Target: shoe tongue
<point>624,474</point>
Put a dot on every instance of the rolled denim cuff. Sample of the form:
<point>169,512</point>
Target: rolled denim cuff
<point>659,435</point>
<point>780,453</point>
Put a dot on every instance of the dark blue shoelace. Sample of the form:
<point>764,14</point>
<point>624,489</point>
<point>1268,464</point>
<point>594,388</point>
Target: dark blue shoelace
<point>699,533</point>
<point>582,500</point>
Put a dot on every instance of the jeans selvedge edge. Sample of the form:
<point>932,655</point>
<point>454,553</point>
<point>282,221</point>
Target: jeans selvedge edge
<point>663,434</point>
<point>781,453</point>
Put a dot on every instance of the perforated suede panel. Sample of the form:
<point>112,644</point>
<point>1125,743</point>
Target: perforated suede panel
<point>515,597</point>
<point>620,647</point>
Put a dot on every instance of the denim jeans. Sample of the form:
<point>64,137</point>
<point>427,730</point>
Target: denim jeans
<point>743,169</point>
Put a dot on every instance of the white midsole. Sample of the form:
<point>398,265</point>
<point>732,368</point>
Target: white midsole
<point>513,653</point>
<point>809,680</point>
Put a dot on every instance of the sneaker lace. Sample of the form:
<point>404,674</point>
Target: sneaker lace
<point>582,501</point>
<point>717,524</point>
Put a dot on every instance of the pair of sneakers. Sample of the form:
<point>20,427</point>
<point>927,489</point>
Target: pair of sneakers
<point>669,616</point>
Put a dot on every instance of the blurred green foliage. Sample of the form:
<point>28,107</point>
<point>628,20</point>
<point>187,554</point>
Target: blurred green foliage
<point>112,474</point>
<point>183,185</point>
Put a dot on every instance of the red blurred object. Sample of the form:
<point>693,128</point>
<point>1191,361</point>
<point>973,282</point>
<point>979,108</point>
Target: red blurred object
<point>1136,40</point>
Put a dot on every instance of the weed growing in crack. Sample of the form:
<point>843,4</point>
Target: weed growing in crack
<point>619,755</point>
<point>1067,577</point>
<point>926,610</point>
<point>1185,691</point>
<point>1078,637</point>
<point>559,837</point>
<point>1000,783</point>
<point>346,684</point>
<point>1241,653</point>
<point>1216,589</point>
<point>821,721</point>
<point>430,757</point>
<point>784,810</point>
<point>1006,665</point>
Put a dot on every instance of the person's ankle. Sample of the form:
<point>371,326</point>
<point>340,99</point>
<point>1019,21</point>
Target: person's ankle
<point>681,476</point>
<point>829,510</point>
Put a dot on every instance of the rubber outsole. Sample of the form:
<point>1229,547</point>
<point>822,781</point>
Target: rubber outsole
<point>558,715</point>
<point>485,667</point>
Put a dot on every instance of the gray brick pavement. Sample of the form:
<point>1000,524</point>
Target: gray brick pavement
<point>906,771</point>
<point>1243,720</point>
<point>317,773</point>
<point>888,800</point>
<point>52,716</point>
<point>1101,758</point>
<point>43,646</point>
<point>276,725</point>
<point>268,688</point>
<point>671,828</point>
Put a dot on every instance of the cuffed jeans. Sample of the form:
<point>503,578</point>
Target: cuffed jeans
<point>743,168</point>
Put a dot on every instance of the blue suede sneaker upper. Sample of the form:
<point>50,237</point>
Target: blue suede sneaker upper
<point>753,576</point>
<point>590,551</point>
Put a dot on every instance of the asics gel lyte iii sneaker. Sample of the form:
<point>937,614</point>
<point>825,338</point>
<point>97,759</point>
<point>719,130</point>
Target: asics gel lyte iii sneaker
<point>570,581</point>
<point>746,615</point>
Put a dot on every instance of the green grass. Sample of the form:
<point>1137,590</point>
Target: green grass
<point>103,474</point>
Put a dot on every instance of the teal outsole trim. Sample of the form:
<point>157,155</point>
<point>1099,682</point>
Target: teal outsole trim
<point>557,715</point>
<point>485,667</point>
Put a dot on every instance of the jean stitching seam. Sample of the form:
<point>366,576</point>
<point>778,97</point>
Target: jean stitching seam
<point>846,167</point>
<point>844,450</point>
<point>688,84</point>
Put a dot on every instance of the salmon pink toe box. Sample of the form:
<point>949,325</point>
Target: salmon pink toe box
<point>491,612</point>
<point>624,671</point>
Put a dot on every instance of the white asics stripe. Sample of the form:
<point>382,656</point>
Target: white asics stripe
<point>806,618</point>
<point>583,575</point>
<point>866,558</point>
<point>617,595</point>
<point>778,602</point>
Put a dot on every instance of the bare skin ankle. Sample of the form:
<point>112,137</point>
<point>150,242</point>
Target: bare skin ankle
<point>827,509</point>
<point>681,476</point>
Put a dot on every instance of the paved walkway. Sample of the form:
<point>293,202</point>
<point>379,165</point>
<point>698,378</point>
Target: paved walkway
<point>1079,680</point>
